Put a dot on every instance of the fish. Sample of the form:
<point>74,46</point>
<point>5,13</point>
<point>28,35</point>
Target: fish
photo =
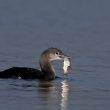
<point>66,65</point>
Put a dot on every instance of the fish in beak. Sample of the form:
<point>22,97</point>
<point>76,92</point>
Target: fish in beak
<point>66,64</point>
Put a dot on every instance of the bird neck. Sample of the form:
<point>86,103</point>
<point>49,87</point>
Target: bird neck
<point>46,67</point>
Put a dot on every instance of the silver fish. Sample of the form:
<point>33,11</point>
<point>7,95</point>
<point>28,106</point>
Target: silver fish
<point>66,64</point>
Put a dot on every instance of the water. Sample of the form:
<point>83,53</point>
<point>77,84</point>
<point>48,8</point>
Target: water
<point>81,29</point>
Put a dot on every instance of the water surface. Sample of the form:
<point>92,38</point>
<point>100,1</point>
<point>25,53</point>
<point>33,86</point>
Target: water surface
<point>81,29</point>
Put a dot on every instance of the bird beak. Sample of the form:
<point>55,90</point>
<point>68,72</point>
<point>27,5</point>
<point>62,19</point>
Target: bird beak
<point>63,56</point>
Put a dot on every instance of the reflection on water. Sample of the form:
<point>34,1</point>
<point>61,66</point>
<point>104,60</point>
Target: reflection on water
<point>41,95</point>
<point>45,84</point>
<point>53,96</point>
<point>64,94</point>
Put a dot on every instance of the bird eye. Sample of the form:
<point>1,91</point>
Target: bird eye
<point>56,53</point>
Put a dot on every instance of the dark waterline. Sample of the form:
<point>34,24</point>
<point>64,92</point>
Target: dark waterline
<point>79,28</point>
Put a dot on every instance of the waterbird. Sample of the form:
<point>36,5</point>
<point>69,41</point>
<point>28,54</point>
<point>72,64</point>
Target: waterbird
<point>47,71</point>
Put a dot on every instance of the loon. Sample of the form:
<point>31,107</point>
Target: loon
<point>47,71</point>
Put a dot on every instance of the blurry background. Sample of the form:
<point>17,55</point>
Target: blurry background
<point>81,28</point>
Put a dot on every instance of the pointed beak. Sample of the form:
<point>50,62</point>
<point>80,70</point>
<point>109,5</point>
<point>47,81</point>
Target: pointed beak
<point>63,56</point>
